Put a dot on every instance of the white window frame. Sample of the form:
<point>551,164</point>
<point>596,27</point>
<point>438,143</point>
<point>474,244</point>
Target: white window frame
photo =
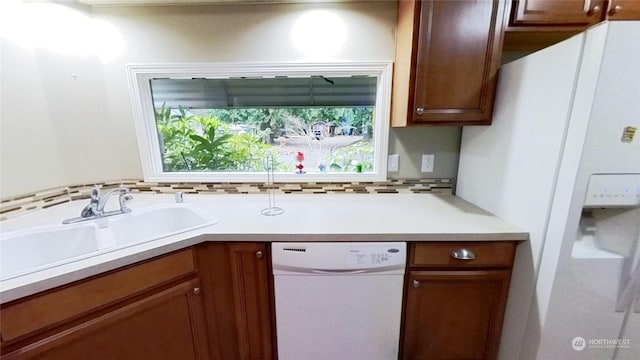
<point>139,76</point>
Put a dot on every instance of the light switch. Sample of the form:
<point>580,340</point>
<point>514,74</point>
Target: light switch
<point>427,162</point>
<point>393,163</point>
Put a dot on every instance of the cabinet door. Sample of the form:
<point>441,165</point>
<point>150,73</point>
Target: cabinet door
<point>167,325</point>
<point>624,10</point>
<point>459,50</point>
<point>57,307</point>
<point>251,292</point>
<point>557,13</point>
<point>237,300</point>
<point>454,314</point>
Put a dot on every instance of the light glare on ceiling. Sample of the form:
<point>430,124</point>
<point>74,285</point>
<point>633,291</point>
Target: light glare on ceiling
<point>319,33</point>
<point>59,28</point>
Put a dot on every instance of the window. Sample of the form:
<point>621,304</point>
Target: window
<point>222,122</point>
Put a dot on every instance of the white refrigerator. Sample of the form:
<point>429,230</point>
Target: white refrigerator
<point>562,160</point>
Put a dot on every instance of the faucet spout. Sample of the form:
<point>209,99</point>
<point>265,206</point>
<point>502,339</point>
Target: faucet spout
<point>122,199</point>
<point>95,208</point>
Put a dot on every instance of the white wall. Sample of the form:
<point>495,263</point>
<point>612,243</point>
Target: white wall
<point>29,154</point>
<point>66,117</point>
<point>222,33</point>
<point>410,143</point>
<point>56,123</point>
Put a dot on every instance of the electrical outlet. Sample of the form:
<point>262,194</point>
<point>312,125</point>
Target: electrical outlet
<point>427,163</point>
<point>392,164</point>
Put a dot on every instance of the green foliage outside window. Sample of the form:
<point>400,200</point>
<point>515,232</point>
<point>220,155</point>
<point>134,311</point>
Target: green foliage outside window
<point>241,139</point>
<point>347,158</point>
<point>203,143</point>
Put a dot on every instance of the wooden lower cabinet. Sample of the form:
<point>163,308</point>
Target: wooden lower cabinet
<point>166,325</point>
<point>212,301</point>
<point>454,307</point>
<point>238,302</point>
<point>454,314</point>
<point>149,310</point>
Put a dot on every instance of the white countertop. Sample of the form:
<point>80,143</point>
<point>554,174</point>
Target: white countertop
<point>326,217</point>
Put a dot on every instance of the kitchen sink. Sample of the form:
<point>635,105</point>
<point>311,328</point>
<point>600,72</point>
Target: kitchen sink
<point>34,249</point>
<point>157,221</point>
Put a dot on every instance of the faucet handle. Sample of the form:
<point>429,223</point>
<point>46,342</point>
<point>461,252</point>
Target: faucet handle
<point>95,193</point>
<point>87,212</point>
<point>125,197</point>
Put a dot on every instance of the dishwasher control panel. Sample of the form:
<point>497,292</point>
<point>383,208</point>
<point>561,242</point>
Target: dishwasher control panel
<point>334,257</point>
<point>372,255</point>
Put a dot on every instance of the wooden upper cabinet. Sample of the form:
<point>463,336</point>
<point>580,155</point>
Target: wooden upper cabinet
<point>623,10</point>
<point>556,13</point>
<point>447,59</point>
<point>535,24</point>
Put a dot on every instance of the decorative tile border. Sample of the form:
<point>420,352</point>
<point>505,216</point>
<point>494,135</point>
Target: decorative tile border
<point>19,205</point>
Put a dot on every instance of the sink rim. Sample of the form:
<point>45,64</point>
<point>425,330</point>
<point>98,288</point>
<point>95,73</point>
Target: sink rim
<point>98,224</point>
<point>207,221</point>
<point>4,236</point>
<point>10,235</point>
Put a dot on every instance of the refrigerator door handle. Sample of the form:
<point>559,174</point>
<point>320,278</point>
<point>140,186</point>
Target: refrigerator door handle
<point>629,294</point>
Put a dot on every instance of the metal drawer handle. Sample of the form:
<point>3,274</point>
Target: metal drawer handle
<point>416,284</point>
<point>259,254</point>
<point>196,290</point>
<point>463,254</point>
<point>420,111</point>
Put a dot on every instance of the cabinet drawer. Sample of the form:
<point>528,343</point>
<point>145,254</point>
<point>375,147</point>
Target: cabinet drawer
<point>72,302</point>
<point>470,254</point>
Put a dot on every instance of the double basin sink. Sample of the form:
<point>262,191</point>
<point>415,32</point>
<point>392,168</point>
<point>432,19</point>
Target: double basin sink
<point>29,250</point>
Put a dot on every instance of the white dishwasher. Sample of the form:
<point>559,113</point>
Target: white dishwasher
<point>338,301</point>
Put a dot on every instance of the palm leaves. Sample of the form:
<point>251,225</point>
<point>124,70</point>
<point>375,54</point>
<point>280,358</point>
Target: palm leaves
<point>209,150</point>
<point>203,143</point>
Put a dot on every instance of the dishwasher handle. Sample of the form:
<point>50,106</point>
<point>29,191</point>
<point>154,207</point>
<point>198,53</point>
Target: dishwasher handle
<point>337,272</point>
<point>295,270</point>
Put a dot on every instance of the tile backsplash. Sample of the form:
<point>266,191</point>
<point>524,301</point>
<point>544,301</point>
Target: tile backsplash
<point>19,205</point>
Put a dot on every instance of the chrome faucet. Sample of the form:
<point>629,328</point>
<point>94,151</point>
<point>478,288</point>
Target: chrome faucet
<point>100,201</point>
<point>95,208</point>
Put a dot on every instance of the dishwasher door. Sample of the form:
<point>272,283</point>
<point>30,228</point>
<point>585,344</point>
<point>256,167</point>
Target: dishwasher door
<point>338,301</point>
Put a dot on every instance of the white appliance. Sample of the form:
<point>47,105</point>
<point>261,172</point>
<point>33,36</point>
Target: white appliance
<point>338,301</point>
<point>562,160</point>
